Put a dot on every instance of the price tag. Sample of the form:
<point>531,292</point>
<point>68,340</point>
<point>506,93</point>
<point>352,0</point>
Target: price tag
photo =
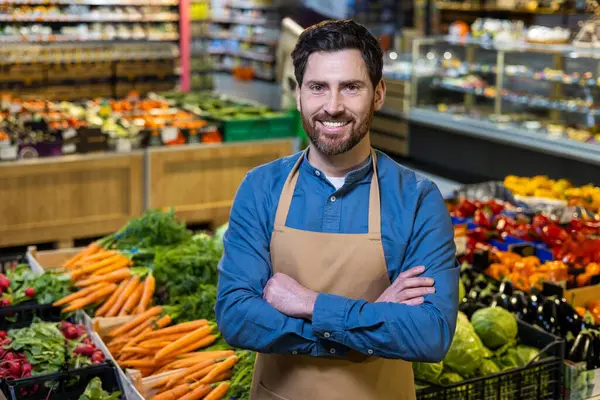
<point>15,108</point>
<point>123,145</point>
<point>461,245</point>
<point>69,133</point>
<point>8,153</point>
<point>169,134</point>
<point>68,148</point>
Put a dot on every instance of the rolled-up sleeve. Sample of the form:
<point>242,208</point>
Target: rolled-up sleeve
<point>390,330</point>
<point>244,318</point>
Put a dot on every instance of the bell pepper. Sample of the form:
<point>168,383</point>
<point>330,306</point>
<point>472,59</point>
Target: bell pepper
<point>481,219</point>
<point>583,279</point>
<point>553,235</point>
<point>557,271</point>
<point>498,271</point>
<point>502,223</point>
<point>507,258</point>
<point>592,269</point>
<point>520,281</point>
<point>495,207</point>
<point>580,311</point>
<point>465,209</point>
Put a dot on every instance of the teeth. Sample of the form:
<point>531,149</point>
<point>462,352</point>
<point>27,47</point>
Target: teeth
<point>329,124</point>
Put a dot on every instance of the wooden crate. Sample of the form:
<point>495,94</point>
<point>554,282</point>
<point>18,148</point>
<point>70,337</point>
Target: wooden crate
<point>60,199</point>
<point>200,182</point>
<point>49,259</point>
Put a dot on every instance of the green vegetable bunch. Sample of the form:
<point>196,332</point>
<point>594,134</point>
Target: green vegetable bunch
<point>27,284</point>
<point>94,391</point>
<point>495,326</point>
<point>241,380</point>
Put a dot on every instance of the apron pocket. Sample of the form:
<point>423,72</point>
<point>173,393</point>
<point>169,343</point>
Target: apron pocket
<point>265,394</point>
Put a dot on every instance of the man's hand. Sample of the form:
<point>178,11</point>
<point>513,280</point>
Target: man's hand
<point>408,289</point>
<point>289,297</point>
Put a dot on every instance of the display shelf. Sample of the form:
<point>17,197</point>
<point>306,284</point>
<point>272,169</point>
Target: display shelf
<point>244,54</point>
<point>519,71</point>
<point>245,5</point>
<point>587,153</point>
<point>477,8</point>
<point>93,2</point>
<point>256,40</point>
<point>537,102</point>
<point>241,21</point>
<point>88,38</point>
<point>161,17</point>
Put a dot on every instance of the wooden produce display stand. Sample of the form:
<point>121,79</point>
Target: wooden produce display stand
<point>64,198</point>
<point>61,198</point>
<point>200,181</point>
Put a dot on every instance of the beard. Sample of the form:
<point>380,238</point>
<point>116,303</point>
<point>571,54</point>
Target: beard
<point>336,144</point>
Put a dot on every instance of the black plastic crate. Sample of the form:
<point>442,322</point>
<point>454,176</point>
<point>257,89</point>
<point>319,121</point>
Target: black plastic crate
<point>63,385</point>
<point>541,379</point>
<point>6,262</point>
<point>21,315</point>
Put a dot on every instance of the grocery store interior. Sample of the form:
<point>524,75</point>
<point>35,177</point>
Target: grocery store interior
<point>126,127</point>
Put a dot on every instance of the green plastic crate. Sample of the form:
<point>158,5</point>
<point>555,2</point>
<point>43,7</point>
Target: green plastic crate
<point>236,130</point>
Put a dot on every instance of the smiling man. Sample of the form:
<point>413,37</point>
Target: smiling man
<point>339,264</point>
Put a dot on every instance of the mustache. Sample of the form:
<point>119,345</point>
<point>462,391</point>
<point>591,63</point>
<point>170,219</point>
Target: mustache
<point>337,118</point>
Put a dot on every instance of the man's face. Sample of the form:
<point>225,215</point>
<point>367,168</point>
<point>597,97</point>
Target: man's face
<point>337,100</point>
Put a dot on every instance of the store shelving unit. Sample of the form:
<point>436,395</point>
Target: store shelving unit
<point>47,36</point>
<point>227,35</point>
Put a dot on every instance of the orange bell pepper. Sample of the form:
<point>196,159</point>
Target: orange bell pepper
<point>520,281</point>
<point>583,279</point>
<point>592,269</point>
<point>498,271</point>
<point>580,311</point>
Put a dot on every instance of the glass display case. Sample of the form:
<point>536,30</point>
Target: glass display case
<point>545,97</point>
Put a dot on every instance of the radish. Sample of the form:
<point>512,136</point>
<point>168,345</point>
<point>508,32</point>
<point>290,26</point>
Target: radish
<point>15,368</point>
<point>71,332</point>
<point>26,370</point>
<point>30,292</point>
<point>4,282</point>
<point>97,357</point>
<point>85,349</point>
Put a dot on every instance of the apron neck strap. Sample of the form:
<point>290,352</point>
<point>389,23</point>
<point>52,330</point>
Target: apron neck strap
<point>285,201</point>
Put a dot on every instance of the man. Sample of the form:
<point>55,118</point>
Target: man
<point>315,240</point>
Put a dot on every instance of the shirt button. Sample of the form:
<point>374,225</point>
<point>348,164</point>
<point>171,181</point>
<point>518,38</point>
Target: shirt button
<point>370,351</point>
<point>318,173</point>
<point>332,199</point>
<point>332,350</point>
<point>294,352</point>
<point>326,334</point>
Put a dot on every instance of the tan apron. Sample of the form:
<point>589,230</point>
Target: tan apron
<point>350,265</point>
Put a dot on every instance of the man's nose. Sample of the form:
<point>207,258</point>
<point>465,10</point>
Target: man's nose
<point>334,104</point>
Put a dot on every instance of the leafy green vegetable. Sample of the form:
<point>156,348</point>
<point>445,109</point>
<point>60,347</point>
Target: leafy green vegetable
<point>488,367</point>
<point>466,351</point>
<point>449,378</point>
<point>43,344</point>
<point>241,380</point>
<point>428,372</point>
<point>49,286</point>
<point>181,270</point>
<point>200,305</point>
<point>94,391</point>
<point>526,353</point>
<point>510,359</point>
<point>154,228</point>
<point>495,326</point>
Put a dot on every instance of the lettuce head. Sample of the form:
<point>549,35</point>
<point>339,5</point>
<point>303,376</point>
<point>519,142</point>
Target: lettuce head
<point>495,326</point>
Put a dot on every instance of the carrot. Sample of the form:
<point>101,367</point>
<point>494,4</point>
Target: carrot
<point>200,344</point>
<point>217,393</point>
<point>185,341</point>
<point>149,286</point>
<point>202,356</point>
<point>138,350</point>
<point>141,363</point>
<point>92,298</point>
<point>132,300</point>
<point>131,283</point>
<point>124,262</point>
<point>178,377</point>
<point>101,255</point>
<point>139,329</point>
<point>111,300</point>
<point>136,321</point>
<point>183,327</point>
<point>174,394</point>
<point>161,323</point>
<point>172,337</point>
<point>200,374</point>
<point>89,250</point>
<point>115,276</point>
<point>220,368</point>
<point>78,295</point>
<point>223,377</point>
<point>198,393</point>
<point>77,274</point>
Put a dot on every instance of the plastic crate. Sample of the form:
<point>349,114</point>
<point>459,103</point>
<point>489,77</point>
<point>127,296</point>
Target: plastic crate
<point>7,262</point>
<point>62,385</point>
<point>236,130</point>
<point>542,379</point>
<point>21,315</point>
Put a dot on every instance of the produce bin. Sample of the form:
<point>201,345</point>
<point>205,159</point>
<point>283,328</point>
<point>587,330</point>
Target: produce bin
<point>62,385</point>
<point>21,315</point>
<point>541,380</point>
<point>241,129</point>
<point>49,259</point>
<point>9,261</point>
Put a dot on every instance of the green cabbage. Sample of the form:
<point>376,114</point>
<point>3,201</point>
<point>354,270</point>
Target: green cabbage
<point>449,378</point>
<point>466,351</point>
<point>461,291</point>
<point>527,353</point>
<point>511,359</point>
<point>463,317</point>
<point>488,367</point>
<point>429,372</point>
<point>495,326</point>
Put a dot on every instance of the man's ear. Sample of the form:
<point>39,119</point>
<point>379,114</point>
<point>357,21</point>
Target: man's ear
<point>298,101</point>
<point>380,91</point>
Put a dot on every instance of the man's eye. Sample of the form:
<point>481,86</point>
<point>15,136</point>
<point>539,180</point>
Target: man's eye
<point>316,88</point>
<point>352,88</point>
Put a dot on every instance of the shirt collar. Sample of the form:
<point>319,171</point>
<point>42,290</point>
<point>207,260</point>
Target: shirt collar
<point>352,178</point>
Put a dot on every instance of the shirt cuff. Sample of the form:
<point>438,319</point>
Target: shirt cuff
<point>329,316</point>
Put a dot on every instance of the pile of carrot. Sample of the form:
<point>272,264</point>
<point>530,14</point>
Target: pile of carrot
<point>104,277</point>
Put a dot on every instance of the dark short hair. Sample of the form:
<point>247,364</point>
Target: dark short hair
<point>337,35</point>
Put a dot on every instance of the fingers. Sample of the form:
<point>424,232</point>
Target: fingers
<point>416,271</point>
<point>415,283</point>
<point>409,294</point>
<point>413,302</point>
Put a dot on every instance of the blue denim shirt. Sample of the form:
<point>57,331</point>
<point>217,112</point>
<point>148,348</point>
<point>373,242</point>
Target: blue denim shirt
<point>416,230</point>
